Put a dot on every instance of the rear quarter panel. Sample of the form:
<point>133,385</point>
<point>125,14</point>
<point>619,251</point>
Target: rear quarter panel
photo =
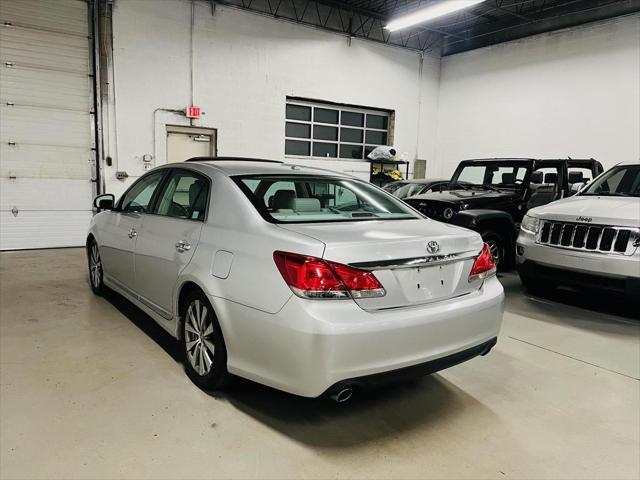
<point>245,243</point>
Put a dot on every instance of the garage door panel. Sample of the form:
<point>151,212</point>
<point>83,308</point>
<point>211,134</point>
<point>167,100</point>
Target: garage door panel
<point>43,229</point>
<point>46,88</point>
<point>62,15</point>
<point>45,134</point>
<point>45,194</point>
<point>41,161</point>
<point>44,49</point>
<point>42,126</point>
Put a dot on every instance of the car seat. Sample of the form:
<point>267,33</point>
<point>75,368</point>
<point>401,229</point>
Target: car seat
<point>283,200</point>
<point>198,199</point>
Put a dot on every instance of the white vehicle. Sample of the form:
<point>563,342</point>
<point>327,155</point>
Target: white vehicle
<point>589,240</point>
<point>302,279</point>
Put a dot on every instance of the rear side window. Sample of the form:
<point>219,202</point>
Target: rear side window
<point>304,199</point>
<point>184,195</point>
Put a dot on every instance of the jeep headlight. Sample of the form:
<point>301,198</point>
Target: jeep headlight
<point>530,224</point>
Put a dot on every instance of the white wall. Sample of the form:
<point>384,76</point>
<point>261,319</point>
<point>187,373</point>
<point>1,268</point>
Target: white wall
<point>568,93</point>
<point>245,66</point>
<point>574,92</point>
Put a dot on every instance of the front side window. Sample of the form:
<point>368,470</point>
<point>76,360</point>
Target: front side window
<point>325,130</point>
<point>185,196</point>
<point>623,180</point>
<point>302,199</point>
<point>139,196</point>
<point>508,175</point>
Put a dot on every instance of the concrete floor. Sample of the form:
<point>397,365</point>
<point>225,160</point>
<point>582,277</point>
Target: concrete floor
<point>90,388</point>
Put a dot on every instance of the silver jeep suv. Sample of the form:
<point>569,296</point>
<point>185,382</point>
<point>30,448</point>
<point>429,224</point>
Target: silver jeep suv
<point>589,240</point>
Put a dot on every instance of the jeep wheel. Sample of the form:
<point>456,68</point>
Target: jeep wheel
<point>496,245</point>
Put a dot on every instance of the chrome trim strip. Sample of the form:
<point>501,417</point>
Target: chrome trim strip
<point>148,303</point>
<point>415,262</point>
<point>159,310</point>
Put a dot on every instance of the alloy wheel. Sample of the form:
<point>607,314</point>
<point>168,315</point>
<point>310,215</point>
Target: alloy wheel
<point>198,333</point>
<point>495,250</point>
<point>95,266</point>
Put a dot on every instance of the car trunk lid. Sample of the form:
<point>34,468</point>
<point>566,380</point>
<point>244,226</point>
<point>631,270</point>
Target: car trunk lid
<point>396,251</point>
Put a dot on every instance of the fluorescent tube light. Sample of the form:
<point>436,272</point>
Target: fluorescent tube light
<point>434,10</point>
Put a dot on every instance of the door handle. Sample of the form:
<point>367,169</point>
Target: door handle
<point>183,246</point>
<point>132,233</point>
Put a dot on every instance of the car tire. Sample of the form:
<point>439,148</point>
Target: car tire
<point>96,273</point>
<point>203,347</point>
<point>497,246</point>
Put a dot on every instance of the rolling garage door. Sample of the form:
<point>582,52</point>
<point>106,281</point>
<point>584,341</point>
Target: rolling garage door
<point>46,154</point>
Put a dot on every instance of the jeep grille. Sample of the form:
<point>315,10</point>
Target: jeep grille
<point>594,238</point>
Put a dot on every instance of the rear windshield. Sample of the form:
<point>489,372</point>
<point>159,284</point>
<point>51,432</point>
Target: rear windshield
<point>305,199</point>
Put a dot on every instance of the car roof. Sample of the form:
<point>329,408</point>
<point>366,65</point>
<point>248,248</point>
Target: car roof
<point>424,180</point>
<point>231,166</point>
<point>506,159</point>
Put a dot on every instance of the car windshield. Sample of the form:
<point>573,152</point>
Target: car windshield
<point>408,190</point>
<point>623,180</point>
<point>303,199</point>
<point>392,187</point>
<point>490,175</point>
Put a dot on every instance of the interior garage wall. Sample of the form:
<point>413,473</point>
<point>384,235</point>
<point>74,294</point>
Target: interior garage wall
<point>569,93</point>
<point>244,67</point>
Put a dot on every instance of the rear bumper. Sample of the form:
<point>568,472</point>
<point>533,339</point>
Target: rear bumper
<point>309,345</point>
<point>416,371</point>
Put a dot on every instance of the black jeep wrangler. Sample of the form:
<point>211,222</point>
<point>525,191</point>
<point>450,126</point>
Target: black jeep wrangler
<point>492,195</point>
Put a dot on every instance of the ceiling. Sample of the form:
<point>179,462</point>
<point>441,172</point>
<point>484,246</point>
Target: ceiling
<point>487,23</point>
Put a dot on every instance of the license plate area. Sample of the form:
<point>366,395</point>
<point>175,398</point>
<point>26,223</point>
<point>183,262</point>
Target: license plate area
<point>423,284</point>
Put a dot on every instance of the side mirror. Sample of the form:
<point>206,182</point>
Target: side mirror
<point>105,201</point>
<point>576,187</point>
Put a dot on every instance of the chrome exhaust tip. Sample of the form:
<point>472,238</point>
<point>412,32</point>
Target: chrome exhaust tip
<point>343,395</point>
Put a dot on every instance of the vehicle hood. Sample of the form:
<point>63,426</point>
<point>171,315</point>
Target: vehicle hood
<point>621,211</point>
<point>469,197</point>
<point>365,241</point>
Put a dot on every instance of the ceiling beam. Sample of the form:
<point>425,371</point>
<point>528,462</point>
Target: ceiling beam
<point>565,16</point>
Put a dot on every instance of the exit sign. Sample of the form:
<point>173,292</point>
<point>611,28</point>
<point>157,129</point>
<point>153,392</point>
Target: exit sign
<point>193,112</point>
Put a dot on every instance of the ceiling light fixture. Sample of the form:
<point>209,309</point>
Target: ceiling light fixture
<point>435,10</point>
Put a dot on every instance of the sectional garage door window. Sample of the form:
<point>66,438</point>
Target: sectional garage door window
<point>46,139</point>
<point>326,130</point>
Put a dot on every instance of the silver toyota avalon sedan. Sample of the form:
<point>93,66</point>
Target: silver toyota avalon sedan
<point>310,281</point>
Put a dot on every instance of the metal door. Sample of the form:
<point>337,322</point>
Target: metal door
<point>188,142</point>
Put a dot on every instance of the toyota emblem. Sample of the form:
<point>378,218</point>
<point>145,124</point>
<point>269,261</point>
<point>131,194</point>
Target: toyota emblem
<point>433,246</point>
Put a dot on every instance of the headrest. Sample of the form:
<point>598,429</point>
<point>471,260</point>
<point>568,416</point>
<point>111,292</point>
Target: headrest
<point>283,200</point>
<point>307,205</point>
<point>508,178</point>
<point>550,177</point>
<point>536,177</point>
<point>576,177</point>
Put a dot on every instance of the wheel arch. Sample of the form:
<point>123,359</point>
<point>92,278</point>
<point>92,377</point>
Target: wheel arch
<point>183,291</point>
<point>496,220</point>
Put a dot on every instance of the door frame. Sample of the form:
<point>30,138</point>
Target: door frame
<point>188,130</point>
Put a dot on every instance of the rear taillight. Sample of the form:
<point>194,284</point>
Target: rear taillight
<point>311,277</point>
<point>484,266</point>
